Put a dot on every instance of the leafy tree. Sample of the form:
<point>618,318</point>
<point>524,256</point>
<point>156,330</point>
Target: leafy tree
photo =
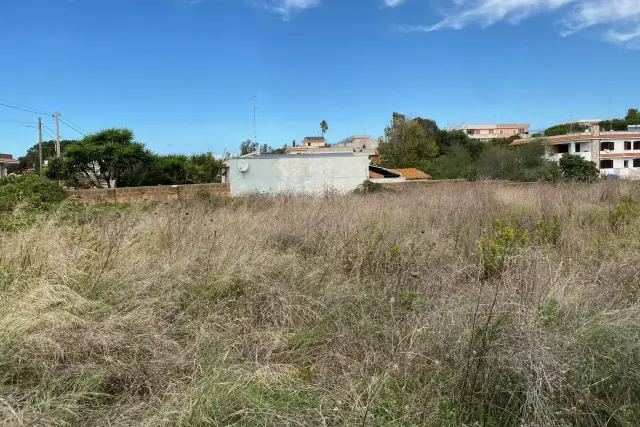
<point>31,159</point>
<point>447,140</point>
<point>271,150</point>
<point>456,163</point>
<point>324,127</point>
<point>406,144</point>
<point>248,147</point>
<point>520,163</point>
<point>99,159</point>
<point>174,169</point>
<point>575,168</point>
<point>565,129</point>
<point>633,115</point>
<point>429,126</point>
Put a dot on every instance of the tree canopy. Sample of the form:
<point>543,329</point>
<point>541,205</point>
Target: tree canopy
<point>100,159</point>
<point>405,144</point>
<point>248,147</point>
<point>31,159</point>
<point>174,169</point>
<point>324,127</point>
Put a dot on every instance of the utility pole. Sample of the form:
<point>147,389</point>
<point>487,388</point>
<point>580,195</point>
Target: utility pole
<point>57,117</point>
<point>40,143</point>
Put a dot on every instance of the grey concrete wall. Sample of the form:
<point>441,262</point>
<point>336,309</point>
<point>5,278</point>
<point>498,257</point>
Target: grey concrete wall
<point>298,174</point>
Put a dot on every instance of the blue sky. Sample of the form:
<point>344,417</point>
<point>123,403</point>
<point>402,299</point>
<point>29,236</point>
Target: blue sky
<point>181,73</point>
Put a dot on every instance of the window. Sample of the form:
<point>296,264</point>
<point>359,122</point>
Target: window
<point>515,131</point>
<point>577,147</point>
<point>636,163</point>
<point>606,164</point>
<point>627,145</point>
<point>501,131</point>
<point>636,145</point>
<point>470,132</point>
<point>560,148</point>
<point>491,133</point>
<point>606,146</point>
<point>626,163</point>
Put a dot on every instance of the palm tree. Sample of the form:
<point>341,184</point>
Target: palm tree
<point>324,126</point>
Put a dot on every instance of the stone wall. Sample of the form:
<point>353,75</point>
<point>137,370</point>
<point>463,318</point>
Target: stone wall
<point>161,193</point>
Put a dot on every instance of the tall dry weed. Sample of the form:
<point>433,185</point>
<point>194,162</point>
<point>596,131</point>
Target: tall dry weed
<point>456,305</point>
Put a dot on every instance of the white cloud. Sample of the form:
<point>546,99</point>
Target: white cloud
<point>621,16</point>
<point>393,3</point>
<point>286,7</point>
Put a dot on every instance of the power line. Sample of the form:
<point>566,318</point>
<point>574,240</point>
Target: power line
<point>16,106</point>
<point>49,133</point>
<point>15,121</point>
<point>75,124</point>
<point>71,127</point>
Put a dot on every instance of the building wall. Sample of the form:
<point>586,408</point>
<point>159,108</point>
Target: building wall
<point>3,170</point>
<point>301,174</point>
<point>591,150</point>
<point>161,193</point>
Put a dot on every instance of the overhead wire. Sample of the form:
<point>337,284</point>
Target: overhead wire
<point>15,122</point>
<point>72,127</point>
<point>75,124</point>
<point>66,121</point>
<point>16,106</point>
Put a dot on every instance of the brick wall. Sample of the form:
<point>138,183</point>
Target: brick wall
<point>159,193</point>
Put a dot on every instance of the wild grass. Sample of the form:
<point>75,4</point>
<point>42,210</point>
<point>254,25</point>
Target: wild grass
<point>454,305</point>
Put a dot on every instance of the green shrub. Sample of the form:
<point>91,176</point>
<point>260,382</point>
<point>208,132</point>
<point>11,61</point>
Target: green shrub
<point>369,187</point>
<point>30,192</point>
<point>575,168</point>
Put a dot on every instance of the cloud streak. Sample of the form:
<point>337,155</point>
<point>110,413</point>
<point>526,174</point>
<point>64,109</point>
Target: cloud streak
<point>285,8</point>
<point>393,3</point>
<point>621,16</point>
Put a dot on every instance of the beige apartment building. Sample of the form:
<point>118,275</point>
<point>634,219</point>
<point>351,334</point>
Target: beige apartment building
<point>487,132</point>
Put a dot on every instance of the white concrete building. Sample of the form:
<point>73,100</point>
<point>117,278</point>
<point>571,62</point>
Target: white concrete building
<point>616,153</point>
<point>300,174</point>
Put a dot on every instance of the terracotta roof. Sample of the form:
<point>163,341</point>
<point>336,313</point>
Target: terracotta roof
<point>617,155</point>
<point>8,161</point>
<point>411,174</point>
<point>374,175</point>
<point>582,137</point>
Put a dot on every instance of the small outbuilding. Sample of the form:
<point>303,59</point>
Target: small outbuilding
<point>296,174</point>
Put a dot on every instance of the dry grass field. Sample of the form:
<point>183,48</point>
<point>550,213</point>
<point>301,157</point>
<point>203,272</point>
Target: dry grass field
<point>456,305</point>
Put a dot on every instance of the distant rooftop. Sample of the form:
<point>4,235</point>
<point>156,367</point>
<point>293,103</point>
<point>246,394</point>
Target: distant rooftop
<point>314,138</point>
<point>298,156</point>
<point>490,126</point>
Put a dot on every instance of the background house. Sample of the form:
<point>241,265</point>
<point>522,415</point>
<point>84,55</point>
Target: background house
<point>5,161</point>
<point>615,152</point>
<point>487,132</point>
